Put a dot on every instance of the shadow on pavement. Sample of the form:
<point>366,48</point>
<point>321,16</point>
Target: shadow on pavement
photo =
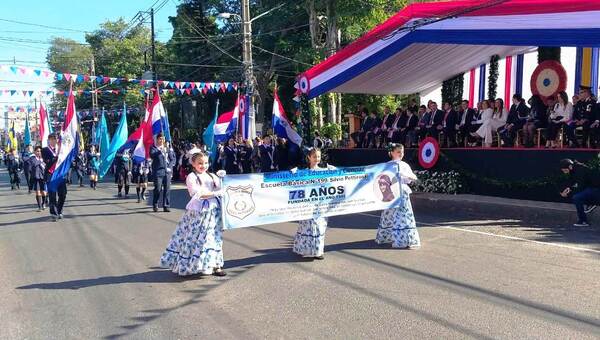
<point>152,276</point>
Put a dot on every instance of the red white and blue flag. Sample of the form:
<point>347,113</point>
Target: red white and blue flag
<point>145,140</point>
<point>281,124</point>
<point>227,124</point>
<point>69,145</point>
<point>244,117</point>
<point>44,126</point>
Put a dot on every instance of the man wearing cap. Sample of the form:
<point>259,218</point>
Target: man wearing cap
<point>583,185</point>
<point>50,156</point>
<point>583,116</point>
<point>163,160</point>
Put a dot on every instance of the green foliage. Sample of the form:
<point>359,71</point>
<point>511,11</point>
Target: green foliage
<point>493,77</point>
<point>548,53</point>
<point>332,131</point>
<point>452,89</point>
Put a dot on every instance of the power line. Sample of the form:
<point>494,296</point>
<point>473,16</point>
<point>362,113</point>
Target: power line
<point>44,26</point>
<point>204,35</point>
<point>199,65</point>
<point>281,56</point>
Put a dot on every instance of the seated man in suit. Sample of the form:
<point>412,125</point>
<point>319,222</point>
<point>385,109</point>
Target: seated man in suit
<point>467,116</point>
<point>437,121</point>
<point>408,136</point>
<point>386,125</point>
<point>450,123</point>
<point>517,116</point>
<point>371,128</point>
<point>359,136</point>
<point>424,122</point>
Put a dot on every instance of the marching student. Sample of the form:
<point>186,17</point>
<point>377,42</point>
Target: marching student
<point>196,246</point>
<point>397,225</point>
<point>163,159</point>
<point>14,165</point>
<point>93,166</point>
<point>78,167</point>
<point>27,158</point>
<point>57,198</point>
<point>140,178</point>
<point>310,237</point>
<point>38,183</point>
<point>123,172</point>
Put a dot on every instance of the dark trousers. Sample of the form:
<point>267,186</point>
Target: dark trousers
<point>162,184</point>
<point>29,180</point>
<point>450,136</point>
<point>359,138</point>
<point>14,178</point>
<point>571,132</point>
<point>588,196</point>
<point>56,206</point>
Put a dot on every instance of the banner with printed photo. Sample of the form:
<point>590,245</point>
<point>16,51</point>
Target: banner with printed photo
<point>256,199</point>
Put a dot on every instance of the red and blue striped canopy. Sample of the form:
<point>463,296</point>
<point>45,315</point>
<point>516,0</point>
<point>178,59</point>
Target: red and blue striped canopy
<point>424,44</point>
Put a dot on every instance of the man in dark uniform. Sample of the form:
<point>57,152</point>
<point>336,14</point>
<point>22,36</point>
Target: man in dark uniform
<point>163,159</point>
<point>437,121</point>
<point>27,161</point>
<point>583,114</point>
<point>50,156</point>
<point>267,156</point>
<point>584,187</point>
<point>123,171</point>
<point>14,163</point>
<point>517,116</point>
<point>78,167</point>
<point>467,116</point>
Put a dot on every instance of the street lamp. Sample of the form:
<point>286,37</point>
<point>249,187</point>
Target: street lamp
<point>247,48</point>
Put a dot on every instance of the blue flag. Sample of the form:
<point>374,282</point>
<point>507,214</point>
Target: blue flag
<point>166,127</point>
<point>119,139</point>
<point>209,135</point>
<point>27,133</point>
<point>102,135</point>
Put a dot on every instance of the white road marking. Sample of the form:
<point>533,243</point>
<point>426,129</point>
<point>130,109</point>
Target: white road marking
<point>514,238</point>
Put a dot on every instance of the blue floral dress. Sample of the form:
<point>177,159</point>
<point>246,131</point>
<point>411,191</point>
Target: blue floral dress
<point>196,246</point>
<point>397,225</point>
<point>310,236</point>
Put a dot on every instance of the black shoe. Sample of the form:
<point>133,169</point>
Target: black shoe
<point>589,208</point>
<point>119,195</point>
<point>54,218</point>
<point>166,209</point>
<point>581,224</point>
<point>139,200</point>
<point>155,208</point>
<point>219,272</point>
<point>29,192</point>
<point>319,257</point>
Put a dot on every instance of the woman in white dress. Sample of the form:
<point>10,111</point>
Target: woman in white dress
<point>397,225</point>
<point>560,115</point>
<point>310,237</point>
<point>491,122</point>
<point>196,246</point>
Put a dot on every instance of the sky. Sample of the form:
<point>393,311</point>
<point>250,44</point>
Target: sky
<point>70,18</point>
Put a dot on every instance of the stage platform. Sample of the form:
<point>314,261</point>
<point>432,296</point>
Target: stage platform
<point>521,173</point>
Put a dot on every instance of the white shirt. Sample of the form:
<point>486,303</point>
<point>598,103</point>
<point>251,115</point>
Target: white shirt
<point>208,183</point>
<point>486,115</point>
<point>406,175</point>
<point>564,111</point>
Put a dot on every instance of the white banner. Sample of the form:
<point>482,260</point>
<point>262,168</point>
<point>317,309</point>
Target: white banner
<point>256,199</point>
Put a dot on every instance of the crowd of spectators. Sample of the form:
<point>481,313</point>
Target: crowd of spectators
<point>238,156</point>
<point>539,122</point>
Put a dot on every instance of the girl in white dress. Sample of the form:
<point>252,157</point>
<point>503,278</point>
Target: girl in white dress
<point>397,225</point>
<point>196,246</point>
<point>310,236</point>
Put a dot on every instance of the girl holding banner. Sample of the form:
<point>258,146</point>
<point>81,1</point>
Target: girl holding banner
<point>397,225</point>
<point>310,237</point>
<point>196,246</point>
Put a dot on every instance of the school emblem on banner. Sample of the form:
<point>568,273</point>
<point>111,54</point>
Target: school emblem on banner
<point>240,204</point>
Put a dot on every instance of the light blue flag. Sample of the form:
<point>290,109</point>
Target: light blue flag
<point>166,127</point>
<point>104,138</point>
<point>118,140</point>
<point>208,137</point>
<point>27,133</point>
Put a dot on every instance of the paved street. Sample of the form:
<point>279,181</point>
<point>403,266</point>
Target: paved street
<point>94,275</point>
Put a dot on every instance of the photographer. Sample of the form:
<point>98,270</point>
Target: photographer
<point>584,186</point>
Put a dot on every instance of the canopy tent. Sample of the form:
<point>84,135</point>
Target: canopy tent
<point>427,43</point>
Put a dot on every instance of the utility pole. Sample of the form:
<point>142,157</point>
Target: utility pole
<point>248,67</point>
<point>153,60</point>
<point>94,101</point>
